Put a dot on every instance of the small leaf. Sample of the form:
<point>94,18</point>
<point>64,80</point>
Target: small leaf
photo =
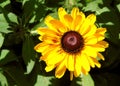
<point>28,53</point>
<point>4,24</point>
<point>87,80</point>
<point>3,80</point>
<point>43,80</point>
<point>1,40</point>
<point>3,54</point>
<point>6,56</point>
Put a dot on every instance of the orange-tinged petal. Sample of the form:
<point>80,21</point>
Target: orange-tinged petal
<point>43,31</point>
<point>47,22</point>
<point>90,20</point>
<point>60,27</point>
<point>60,70</point>
<point>91,31</point>
<point>100,56</point>
<point>77,22</point>
<point>71,75</point>
<point>68,20</point>
<point>96,62</point>
<point>61,14</point>
<point>91,62</point>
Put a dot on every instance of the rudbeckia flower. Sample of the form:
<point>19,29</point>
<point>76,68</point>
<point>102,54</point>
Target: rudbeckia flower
<point>71,43</point>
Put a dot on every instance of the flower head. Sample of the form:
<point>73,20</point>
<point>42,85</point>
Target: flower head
<point>73,42</point>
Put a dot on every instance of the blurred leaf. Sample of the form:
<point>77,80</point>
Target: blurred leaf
<point>93,6</point>
<point>6,56</point>
<point>118,6</point>
<point>28,53</point>
<point>3,54</point>
<point>15,71</point>
<point>1,40</point>
<point>4,3</point>
<point>43,80</point>
<point>4,24</point>
<point>87,80</point>
<point>12,17</point>
<point>3,80</point>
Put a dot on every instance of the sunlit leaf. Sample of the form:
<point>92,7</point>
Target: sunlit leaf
<point>4,3</point>
<point>3,80</point>
<point>43,80</point>
<point>3,54</point>
<point>1,40</point>
<point>87,80</point>
<point>28,53</point>
<point>4,24</point>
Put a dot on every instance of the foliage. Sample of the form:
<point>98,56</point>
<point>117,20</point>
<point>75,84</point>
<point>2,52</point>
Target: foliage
<point>19,63</point>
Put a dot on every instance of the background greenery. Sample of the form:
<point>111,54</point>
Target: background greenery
<point>19,63</point>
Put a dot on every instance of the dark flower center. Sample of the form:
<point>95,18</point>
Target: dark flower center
<point>72,42</point>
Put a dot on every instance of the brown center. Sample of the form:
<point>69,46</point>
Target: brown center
<point>72,42</point>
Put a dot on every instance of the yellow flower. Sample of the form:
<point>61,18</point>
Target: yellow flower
<point>73,42</point>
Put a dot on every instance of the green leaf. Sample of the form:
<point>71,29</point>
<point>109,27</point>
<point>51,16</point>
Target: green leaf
<point>16,72</point>
<point>4,3</point>
<point>12,17</point>
<point>3,54</point>
<point>87,80</point>
<point>28,53</point>
<point>4,24</point>
<point>6,56</point>
<point>84,80</point>
<point>3,80</point>
<point>43,80</point>
<point>1,40</point>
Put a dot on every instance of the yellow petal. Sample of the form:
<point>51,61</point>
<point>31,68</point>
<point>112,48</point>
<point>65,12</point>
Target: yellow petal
<point>60,27</point>
<point>77,70</point>
<point>100,56</point>
<point>47,22</point>
<point>48,52</point>
<point>77,23</point>
<point>60,70</point>
<point>103,43</point>
<point>91,62</point>
<point>91,31</point>
<point>43,31</point>
<point>70,62</point>
<point>96,62</point>
<point>101,31</point>
<point>90,40</point>
<point>68,20</point>
<point>84,62</point>
<point>90,20</point>
<point>61,14</point>
<point>41,47</point>
<point>74,12</point>
<point>90,51</point>
<point>57,58</point>
<point>49,68</point>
